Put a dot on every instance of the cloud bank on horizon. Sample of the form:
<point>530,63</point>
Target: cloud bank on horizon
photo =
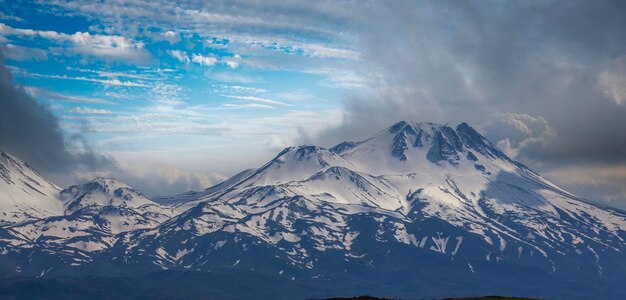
<point>194,91</point>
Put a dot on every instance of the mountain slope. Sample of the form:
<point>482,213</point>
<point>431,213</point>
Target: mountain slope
<point>24,193</point>
<point>191,198</point>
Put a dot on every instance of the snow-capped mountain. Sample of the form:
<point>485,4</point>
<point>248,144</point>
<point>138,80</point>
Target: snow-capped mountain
<point>412,189</point>
<point>24,193</point>
<point>123,207</point>
<point>425,204</point>
<point>87,219</point>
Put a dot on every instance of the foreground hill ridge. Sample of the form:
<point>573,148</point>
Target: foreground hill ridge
<point>413,196</point>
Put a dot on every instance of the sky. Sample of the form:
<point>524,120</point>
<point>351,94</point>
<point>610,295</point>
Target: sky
<point>171,97</point>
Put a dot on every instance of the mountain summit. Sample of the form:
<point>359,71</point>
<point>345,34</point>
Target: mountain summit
<point>423,205</point>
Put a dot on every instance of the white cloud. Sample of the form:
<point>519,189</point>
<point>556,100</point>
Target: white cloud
<point>85,43</point>
<point>106,82</point>
<point>290,46</point>
<point>4,16</point>
<point>160,122</point>
<point>257,99</point>
<point>146,74</point>
<point>206,61</point>
<point>232,64</point>
<point>249,105</point>
<point>167,95</point>
<point>233,77</point>
<point>171,36</point>
<point>513,133</point>
<point>90,111</point>
<point>238,89</point>
<point>199,59</point>
<point>180,56</point>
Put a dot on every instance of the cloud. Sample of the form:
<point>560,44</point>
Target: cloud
<point>232,64</point>
<point>171,36</point>
<point>199,59</point>
<point>238,89</point>
<point>91,45</point>
<point>513,133</point>
<point>276,16</point>
<point>613,81</point>
<point>30,131</point>
<point>106,82</point>
<point>47,94</point>
<point>90,111</point>
<point>498,66</point>
<point>157,180</point>
<point>21,53</point>
<point>167,95</point>
<point>342,78</point>
<point>293,47</point>
<point>206,61</point>
<point>249,105</point>
<point>233,77</point>
<point>257,99</point>
<point>603,183</point>
<point>145,74</point>
<point>180,56</point>
<point>4,16</point>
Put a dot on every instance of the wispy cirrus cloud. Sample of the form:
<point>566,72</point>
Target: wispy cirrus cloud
<point>230,77</point>
<point>91,111</point>
<point>47,94</point>
<point>248,105</point>
<point>257,99</point>
<point>237,89</point>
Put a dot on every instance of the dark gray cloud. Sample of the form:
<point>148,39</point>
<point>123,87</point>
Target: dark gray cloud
<point>559,67</point>
<point>29,130</point>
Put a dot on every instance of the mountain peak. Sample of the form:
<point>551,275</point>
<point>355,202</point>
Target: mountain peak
<point>414,127</point>
<point>407,146</point>
<point>5,155</point>
<point>108,183</point>
<point>102,191</point>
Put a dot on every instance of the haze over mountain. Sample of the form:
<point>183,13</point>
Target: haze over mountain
<point>416,210</point>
